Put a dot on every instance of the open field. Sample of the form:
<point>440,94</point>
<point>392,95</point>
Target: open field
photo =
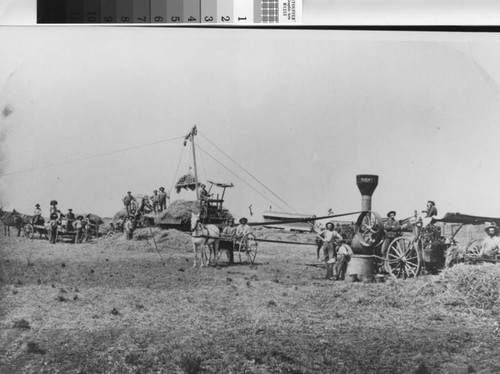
<point>112,306</point>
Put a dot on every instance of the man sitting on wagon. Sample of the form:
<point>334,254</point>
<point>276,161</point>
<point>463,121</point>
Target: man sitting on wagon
<point>37,216</point>
<point>491,244</point>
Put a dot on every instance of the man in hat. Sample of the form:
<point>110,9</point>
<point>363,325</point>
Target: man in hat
<point>129,228</point>
<point>229,232</point>
<point>155,199</point>
<point>392,229</point>
<point>491,244</point>
<point>78,226</point>
<point>243,228</point>
<point>330,239</point>
<point>52,226</point>
<point>37,215</point>
<point>127,201</point>
<point>431,209</point>
<point>162,198</point>
<point>70,217</point>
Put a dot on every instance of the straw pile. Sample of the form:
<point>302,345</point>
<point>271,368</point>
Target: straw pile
<point>477,283</point>
<point>121,214</point>
<point>94,218</point>
<point>179,211</point>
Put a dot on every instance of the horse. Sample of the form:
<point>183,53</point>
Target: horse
<point>11,219</point>
<point>199,238</point>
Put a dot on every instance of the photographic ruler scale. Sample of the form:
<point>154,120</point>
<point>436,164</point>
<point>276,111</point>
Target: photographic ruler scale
<point>170,11</point>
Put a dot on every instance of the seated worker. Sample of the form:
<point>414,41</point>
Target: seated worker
<point>392,229</point>
<point>491,244</point>
<point>37,216</point>
<point>330,238</point>
<point>229,231</point>
<point>243,228</point>
<point>431,209</point>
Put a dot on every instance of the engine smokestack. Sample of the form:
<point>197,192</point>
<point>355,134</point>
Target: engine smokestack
<point>367,184</point>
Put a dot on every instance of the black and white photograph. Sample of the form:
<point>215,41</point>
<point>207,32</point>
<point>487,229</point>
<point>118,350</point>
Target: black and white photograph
<point>249,200</point>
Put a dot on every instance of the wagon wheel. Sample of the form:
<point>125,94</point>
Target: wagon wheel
<point>403,258</point>
<point>29,231</point>
<point>371,228</point>
<point>248,248</point>
<point>473,250</point>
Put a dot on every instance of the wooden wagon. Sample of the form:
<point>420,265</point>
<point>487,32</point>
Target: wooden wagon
<point>246,248</point>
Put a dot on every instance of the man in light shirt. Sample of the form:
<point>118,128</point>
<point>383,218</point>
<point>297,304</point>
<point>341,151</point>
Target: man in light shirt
<point>491,244</point>
<point>329,238</point>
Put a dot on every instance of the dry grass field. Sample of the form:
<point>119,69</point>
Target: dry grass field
<point>117,306</point>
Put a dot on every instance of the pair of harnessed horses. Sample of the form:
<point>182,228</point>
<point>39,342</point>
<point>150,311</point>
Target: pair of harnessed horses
<point>11,219</point>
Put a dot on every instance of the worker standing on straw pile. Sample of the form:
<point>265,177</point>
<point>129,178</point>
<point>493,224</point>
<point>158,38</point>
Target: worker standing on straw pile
<point>127,201</point>
<point>155,199</point>
<point>162,199</point>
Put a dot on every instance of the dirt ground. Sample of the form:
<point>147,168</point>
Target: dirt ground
<point>117,306</point>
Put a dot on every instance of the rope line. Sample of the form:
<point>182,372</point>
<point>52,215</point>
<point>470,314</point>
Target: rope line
<point>90,157</point>
<point>237,176</point>
<point>250,174</point>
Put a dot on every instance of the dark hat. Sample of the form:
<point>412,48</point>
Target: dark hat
<point>432,202</point>
<point>129,192</point>
<point>329,223</point>
<point>391,212</point>
<point>162,188</point>
<point>37,205</point>
<point>243,220</point>
<point>53,202</point>
<point>494,227</point>
<point>79,217</point>
<point>70,210</point>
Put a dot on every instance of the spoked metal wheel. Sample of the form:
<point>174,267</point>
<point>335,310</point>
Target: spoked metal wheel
<point>29,231</point>
<point>248,248</point>
<point>474,248</point>
<point>403,258</point>
<point>371,228</point>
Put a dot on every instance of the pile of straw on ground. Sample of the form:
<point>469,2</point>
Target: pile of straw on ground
<point>477,283</point>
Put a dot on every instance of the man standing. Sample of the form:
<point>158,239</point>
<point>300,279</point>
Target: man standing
<point>127,201</point>
<point>163,196</point>
<point>229,232</point>
<point>129,228</point>
<point>491,244</point>
<point>70,217</point>
<point>78,226</point>
<point>392,229</point>
<point>156,202</point>
<point>329,237</point>
<point>53,228</point>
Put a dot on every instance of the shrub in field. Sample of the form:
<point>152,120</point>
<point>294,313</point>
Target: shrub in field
<point>33,347</point>
<point>477,283</point>
<point>190,364</point>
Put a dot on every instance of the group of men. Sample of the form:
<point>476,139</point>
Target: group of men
<point>80,224</point>
<point>230,231</point>
<point>331,242</point>
<point>157,203</point>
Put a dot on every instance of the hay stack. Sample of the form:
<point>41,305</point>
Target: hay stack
<point>121,214</point>
<point>179,212</point>
<point>94,218</point>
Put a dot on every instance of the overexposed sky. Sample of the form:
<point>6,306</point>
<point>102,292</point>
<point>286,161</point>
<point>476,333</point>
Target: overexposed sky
<point>304,111</point>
